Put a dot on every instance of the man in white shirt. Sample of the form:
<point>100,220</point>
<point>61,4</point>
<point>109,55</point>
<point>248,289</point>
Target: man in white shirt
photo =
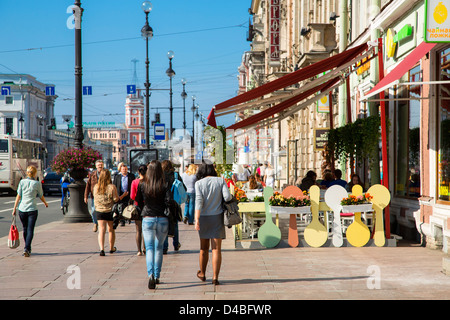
<point>245,174</point>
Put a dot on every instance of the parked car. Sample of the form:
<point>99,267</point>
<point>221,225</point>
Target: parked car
<point>52,183</point>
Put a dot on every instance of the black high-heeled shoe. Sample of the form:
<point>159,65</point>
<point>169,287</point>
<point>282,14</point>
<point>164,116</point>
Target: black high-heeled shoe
<point>151,282</point>
<point>215,282</point>
<point>102,253</point>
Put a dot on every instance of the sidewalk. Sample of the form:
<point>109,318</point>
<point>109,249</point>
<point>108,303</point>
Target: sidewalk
<point>404,272</point>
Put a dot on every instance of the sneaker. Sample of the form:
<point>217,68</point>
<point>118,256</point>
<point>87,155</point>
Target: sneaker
<point>26,253</point>
<point>165,251</point>
<point>185,220</point>
<point>177,247</point>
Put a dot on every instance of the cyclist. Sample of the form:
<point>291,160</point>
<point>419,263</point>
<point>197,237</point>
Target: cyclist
<point>65,181</point>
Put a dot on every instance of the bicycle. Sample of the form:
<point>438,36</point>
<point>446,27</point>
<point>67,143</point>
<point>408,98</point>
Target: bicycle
<point>66,201</point>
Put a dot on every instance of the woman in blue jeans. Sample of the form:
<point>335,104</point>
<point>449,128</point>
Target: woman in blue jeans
<point>27,192</point>
<point>189,178</point>
<point>155,224</point>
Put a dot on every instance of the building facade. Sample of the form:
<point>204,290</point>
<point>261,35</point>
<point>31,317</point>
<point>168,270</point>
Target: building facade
<point>26,110</point>
<point>290,34</point>
<point>123,137</point>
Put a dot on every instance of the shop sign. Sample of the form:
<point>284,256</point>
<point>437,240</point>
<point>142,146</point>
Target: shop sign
<point>390,43</point>
<point>394,39</point>
<point>437,21</point>
<point>363,66</point>
<point>274,59</point>
<point>323,105</point>
<point>320,138</point>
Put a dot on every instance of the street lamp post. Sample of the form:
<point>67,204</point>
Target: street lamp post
<point>193,120</point>
<point>78,210</point>
<point>170,73</point>
<point>78,12</point>
<point>147,34</point>
<point>183,96</point>
<point>197,138</point>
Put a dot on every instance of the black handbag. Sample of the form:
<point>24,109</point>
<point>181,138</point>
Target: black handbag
<point>231,214</point>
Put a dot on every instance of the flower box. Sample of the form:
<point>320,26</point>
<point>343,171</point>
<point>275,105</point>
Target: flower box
<point>357,208</point>
<point>290,210</point>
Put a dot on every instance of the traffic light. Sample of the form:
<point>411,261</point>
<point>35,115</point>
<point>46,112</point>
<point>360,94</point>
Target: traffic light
<point>52,125</point>
<point>157,118</point>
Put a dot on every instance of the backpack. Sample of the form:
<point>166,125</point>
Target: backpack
<point>178,190</point>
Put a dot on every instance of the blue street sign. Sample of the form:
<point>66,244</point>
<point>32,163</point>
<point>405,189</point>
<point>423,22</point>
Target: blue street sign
<point>131,89</point>
<point>49,91</point>
<point>160,131</point>
<point>6,90</point>
<point>87,90</point>
<point>142,141</point>
<point>124,142</point>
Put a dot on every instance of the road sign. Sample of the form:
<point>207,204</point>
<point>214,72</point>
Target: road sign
<point>124,142</point>
<point>87,90</point>
<point>131,89</point>
<point>6,90</point>
<point>142,141</point>
<point>49,91</point>
<point>160,131</point>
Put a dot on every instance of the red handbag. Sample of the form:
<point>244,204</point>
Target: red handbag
<point>13,237</point>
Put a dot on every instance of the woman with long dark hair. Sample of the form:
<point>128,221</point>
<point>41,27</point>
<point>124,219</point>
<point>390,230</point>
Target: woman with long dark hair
<point>151,196</point>
<point>210,192</point>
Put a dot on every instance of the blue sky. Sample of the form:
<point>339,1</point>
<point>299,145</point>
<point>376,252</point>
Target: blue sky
<point>207,37</point>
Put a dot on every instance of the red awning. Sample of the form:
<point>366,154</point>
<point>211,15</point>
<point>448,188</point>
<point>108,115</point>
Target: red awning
<point>295,77</point>
<point>283,105</point>
<point>402,68</point>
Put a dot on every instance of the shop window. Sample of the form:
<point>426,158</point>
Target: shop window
<point>407,137</point>
<point>444,128</point>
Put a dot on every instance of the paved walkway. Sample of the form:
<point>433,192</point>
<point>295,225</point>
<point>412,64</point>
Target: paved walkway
<point>62,252</point>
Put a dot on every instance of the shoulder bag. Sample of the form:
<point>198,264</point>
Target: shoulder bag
<point>131,212</point>
<point>231,214</point>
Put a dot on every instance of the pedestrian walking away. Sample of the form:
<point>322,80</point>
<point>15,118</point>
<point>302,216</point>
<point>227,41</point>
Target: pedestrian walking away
<point>155,222</point>
<point>189,178</point>
<point>142,170</point>
<point>105,195</point>
<point>27,192</point>
<point>89,191</point>
<point>169,176</point>
<point>210,192</point>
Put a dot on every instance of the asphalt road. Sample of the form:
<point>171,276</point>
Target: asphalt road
<point>45,215</point>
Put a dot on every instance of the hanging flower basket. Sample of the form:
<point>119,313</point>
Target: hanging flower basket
<point>357,208</point>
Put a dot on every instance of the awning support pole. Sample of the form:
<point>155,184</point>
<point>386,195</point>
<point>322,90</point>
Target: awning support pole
<point>384,154</point>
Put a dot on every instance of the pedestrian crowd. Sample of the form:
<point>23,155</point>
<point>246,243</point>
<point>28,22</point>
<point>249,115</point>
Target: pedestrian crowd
<point>157,201</point>
<point>152,195</point>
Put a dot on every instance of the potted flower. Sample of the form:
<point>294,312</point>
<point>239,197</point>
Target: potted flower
<point>258,199</point>
<point>292,205</point>
<point>240,195</point>
<point>75,161</point>
<point>359,203</point>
